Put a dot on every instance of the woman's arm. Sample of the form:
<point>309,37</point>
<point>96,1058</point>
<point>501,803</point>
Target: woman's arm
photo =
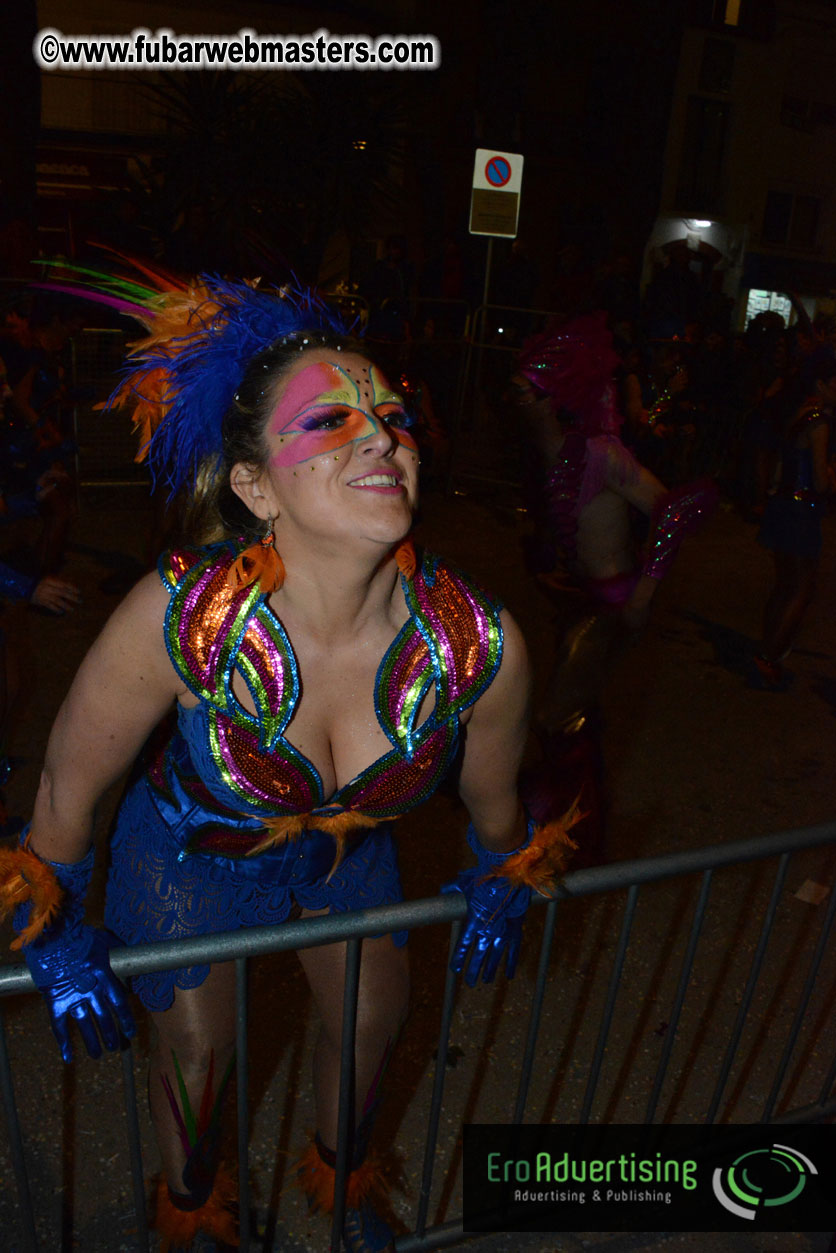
<point>125,685</point>
<point>496,735</point>
<point>634,408</point>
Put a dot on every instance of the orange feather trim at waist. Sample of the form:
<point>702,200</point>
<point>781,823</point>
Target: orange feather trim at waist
<point>340,825</point>
<point>545,857</point>
<point>24,877</point>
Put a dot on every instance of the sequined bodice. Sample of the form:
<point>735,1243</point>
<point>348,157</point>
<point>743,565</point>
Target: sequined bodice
<point>579,473</point>
<point>452,640</point>
<point>563,488</point>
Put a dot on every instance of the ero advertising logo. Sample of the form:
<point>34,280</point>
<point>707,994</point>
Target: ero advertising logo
<point>632,1177</point>
<point>761,1178</point>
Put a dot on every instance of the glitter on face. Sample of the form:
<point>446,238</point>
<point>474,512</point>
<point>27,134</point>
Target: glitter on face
<point>326,407</point>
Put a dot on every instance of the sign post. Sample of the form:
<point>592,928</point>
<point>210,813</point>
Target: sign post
<point>495,199</point>
<point>494,210</point>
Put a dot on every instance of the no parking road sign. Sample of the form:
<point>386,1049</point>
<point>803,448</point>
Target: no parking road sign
<point>498,171</point>
<point>495,199</point>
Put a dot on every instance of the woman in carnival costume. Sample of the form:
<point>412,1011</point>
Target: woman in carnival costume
<point>586,486</point>
<point>791,527</point>
<point>322,676</point>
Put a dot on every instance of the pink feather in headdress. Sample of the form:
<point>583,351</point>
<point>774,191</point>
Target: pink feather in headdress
<point>574,363</point>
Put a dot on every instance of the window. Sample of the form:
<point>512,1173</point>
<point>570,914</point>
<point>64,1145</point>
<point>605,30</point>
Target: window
<point>700,186</point>
<point>759,301</point>
<point>796,112</point>
<point>791,219</point>
<point>717,67</point>
<point>803,114</point>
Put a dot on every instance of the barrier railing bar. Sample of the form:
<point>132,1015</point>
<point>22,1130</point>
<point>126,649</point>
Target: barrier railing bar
<point>263,940</point>
<point>146,483</point>
<point>438,1085</point>
<point>134,1145</point>
<point>801,1008</point>
<point>309,932</point>
<point>827,1086</point>
<point>754,972</point>
<point>679,999</point>
<point>441,1237</point>
<point>24,1196</point>
<point>536,1010</point>
<point>609,1006</point>
<point>345,1115</point>
<point>623,874</point>
<point>806,1113</point>
<point>242,1079</point>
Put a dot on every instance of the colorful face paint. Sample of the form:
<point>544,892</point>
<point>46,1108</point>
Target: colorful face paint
<point>326,407</point>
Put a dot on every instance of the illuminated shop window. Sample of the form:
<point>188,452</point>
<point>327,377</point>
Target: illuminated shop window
<point>760,301</point>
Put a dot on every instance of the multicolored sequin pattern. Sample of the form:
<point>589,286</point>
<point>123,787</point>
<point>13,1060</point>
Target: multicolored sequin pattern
<point>563,490</point>
<point>461,628</point>
<point>452,640</point>
<point>678,513</point>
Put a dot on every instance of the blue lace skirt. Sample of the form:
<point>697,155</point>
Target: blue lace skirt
<point>152,896</point>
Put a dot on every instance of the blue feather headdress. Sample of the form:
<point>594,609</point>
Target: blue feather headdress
<point>202,336</point>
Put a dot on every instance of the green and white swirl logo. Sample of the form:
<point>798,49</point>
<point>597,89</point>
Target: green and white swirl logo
<point>762,1178</point>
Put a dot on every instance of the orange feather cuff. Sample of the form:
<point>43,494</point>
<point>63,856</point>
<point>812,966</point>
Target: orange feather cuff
<point>545,857</point>
<point>367,1182</point>
<point>24,877</point>
<point>216,1217</point>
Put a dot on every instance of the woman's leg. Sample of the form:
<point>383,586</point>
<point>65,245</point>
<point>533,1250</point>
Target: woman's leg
<point>795,582</point>
<point>191,1064</point>
<point>381,1010</point>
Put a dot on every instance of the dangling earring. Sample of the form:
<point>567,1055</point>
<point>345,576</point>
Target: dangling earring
<point>259,561</point>
<point>405,558</point>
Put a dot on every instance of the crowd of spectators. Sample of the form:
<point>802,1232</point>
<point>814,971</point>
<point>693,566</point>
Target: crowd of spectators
<point>37,466</point>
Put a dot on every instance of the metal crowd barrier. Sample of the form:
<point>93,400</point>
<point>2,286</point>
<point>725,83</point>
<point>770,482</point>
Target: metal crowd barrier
<point>484,447</point>
<point>603,881</point>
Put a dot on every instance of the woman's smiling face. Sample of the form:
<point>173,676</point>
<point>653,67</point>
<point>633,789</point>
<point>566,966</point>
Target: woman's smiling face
<point>340,452</point>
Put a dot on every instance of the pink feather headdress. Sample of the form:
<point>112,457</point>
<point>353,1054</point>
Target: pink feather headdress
<point>574,365</point>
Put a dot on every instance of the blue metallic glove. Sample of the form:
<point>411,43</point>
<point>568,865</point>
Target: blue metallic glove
<point>495,910</point>
<point>69,964</point>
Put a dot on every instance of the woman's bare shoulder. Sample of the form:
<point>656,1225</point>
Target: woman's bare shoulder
<point>133,638</point>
